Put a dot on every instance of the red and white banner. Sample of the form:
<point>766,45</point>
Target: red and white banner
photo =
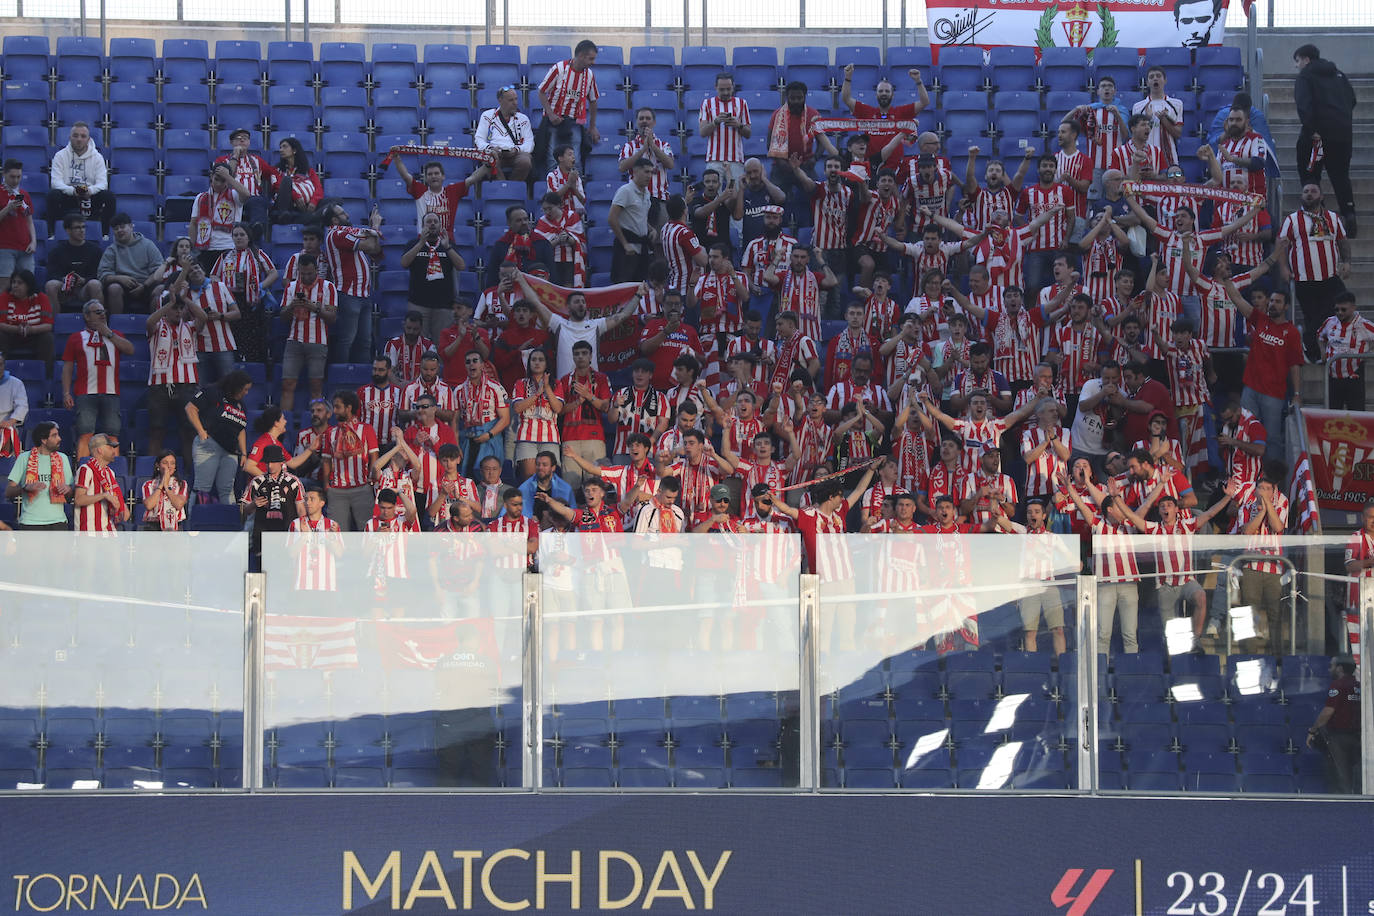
<point>317,643</point>
<point>448,645</point>
<point>620,347</point>
<point>1341,446</point>
<point>1048,24</point>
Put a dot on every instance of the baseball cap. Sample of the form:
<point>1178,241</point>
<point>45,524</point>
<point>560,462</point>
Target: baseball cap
<point>720,491</point>
<point>925,159</point>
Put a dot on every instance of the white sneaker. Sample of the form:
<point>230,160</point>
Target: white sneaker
<point>1211,629</point>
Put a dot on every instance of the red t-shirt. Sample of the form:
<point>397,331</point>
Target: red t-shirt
<point>1137,425</point>
<point>582,421</point>
<point>14,229</point>
<point>454,371</point>
<point>682,341</point>
<point>506,352</point>
<point>31,310</point>
<point>879,139</point>
<point>1274,349</point>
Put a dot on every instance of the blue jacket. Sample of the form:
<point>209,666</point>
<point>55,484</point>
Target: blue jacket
<point>561,489</point>
<point>1258,123</point>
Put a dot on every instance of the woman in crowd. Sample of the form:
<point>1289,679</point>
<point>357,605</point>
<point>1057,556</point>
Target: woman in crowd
<point>537,407</point>
<point>165,495</point>
<point>300,190</point>
<point>249,273</point>
<point>220,448</point>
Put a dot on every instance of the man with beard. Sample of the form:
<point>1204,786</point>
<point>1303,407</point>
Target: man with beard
<point>792,142</point>
<point>709,206</point>
<point>518,244</point>
<point>1274,366</point>
<point>799,287</point>
<point>756,195</point>
<point>831,201</point>
<point>996,193</point>
<point>1314,248</point>
<point>878,140</point>
<point>577,327</point>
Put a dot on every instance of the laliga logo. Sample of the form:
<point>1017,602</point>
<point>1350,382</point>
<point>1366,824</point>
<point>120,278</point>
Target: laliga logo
<point>1079,903</point>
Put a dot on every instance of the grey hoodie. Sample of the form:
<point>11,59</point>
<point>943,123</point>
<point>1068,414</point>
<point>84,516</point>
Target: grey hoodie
<point>138,259</point>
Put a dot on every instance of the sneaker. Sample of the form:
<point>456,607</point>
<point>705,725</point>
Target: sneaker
<point>1351,229</point>
<point>1212,629</point>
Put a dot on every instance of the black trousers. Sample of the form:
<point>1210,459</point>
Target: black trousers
<point>1347,393</point>
<point>1316,298</point>
<point>631,268</point>
<point>99,206</point>
<point>1336,151</point>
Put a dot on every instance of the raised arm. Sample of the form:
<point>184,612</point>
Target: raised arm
<point>1146,220</point>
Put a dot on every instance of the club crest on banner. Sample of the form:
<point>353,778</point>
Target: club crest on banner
<point>1077,24</point>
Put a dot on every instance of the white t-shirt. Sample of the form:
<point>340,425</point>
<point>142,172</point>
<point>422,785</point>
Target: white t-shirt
<point>570,332</point>
<point>1087,424</point>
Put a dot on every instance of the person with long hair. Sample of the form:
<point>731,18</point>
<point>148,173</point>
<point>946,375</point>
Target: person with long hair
<point>165,495</point>
<point>269,428</point>
<point>219,449</point>
<point>250,274</point>
<point>299,190</point>
<point>181,252</point>
<point>537,406</point>
<point>26,319</point>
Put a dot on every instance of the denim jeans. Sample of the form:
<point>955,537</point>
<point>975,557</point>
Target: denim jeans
<point>566,131</point>
<point>215,469</point>
<point>350,339</point>
<point>215,366</point>
<point>1270,412</point>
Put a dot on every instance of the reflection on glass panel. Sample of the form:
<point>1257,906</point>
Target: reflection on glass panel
<point>1216,657</point>
<point>393,659</point>
<point>121,660</point>
<point>925,678</point>
<point>412,12</point>
<point>670,660</point>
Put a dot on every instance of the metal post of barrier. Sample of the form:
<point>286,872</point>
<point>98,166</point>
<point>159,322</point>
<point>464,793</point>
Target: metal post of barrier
<point>254,597</point>
<point>885,29</point>
<point>287,25</point>
<point>1366,632</point>
<point>686,22</point>
<point>1087,683</point>
<point>305,20</point>
<point>102,23</point>
<point>1233,575</point>
<point>532,754</point>
<point>802,13</point>
<point>902,30</point>
<point>505,22</point>
<point>704,10</point>
<point>488,16</point>
<point>809,716</point>
<point>1271,14</point>
<point>81,21</point>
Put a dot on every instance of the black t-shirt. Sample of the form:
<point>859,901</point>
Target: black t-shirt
<point>282,493</point>
<point>702,223</point>
<point>754,201</point>
<point>65,258</point>
<point>222,418</point>
<point>431,292</point>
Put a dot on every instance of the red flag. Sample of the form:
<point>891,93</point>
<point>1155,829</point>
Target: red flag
<point>1302,495</point>
<point>435,645</point>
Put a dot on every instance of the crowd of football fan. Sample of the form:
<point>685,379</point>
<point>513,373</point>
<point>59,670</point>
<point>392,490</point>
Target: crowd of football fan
<point>1082,348</point>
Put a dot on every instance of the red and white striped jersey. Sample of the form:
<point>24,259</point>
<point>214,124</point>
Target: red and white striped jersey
<point>1158,135</point>
<point>349,267</point>
<point>1040,473</point>
<point>1164,310</point>
<point>288,273</point>
<point>986,202</point>
<point>1245,469</point>
<point>830,214</point>
<point>1266,538</point>
<point>554,182</point>
<point>317,543</point>
<point>243,270</point>
<point>625,479</point>
<point>379,406</point>
<point>1249,146</point>
<point>350,448</point>
<point>801,293</point>
<point>1015,340</point>
<point>775,557</point>
<point>1220,319</point>
<point>717,296</point>
<point>636,412</point>
<point>920,193</point>
<point>943,353</point>
<point>876,221</point>
<point>1036,199</point>
<point>167,516</point>
<point>1123,158</point>
<point>526,527</point>
<point>440,391</point>
<point>873,499</point>
<point>174,351</point>
<point>440,488</point>
<point>1082,350</point>
<point>773,474</point>
<point>1243,252</point>
<point>1187,379</point>
<point>725,143</point>
<point>923,261</point>
<point>1100,265</point>
<point>912,455</point>
<point>1338,340</point>
<point>763,348</point>
<point>1175,554</point>
<point>946,481</point>
<point>1001,484</point>
<point>826,555</point>
<point>679,246</point>
<point>697,480</point>
<point>1110,132</point>
<point>1001,254</point>
<point>847,346</point>
<point>538,423</point>
<point>844,392</point>
<point>96,363</point>
<point>880,316</point>
<point>569,90</point>
<point>793,353</point>
<point>1359,547</point>
<point>308,327</point>
<point>979,436</point>
<point>1078,166</point>
<point>388,543</point>
<point>399,479</point>
<point>815,441</point>
<point>634,149</point>
<point>1113,556</point>
<point>494,304</point>
<point>216,336</point>
<point>763,251</point>
<point>405,357</point>
<point>97,517</point>
<point>1313,239</point>
<point>1171,254</point>
<point>478,402</point>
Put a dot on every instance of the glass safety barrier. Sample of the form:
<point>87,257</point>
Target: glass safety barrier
<point>947,661</point>
<point>393,660</point>
<point>121,660</point>
<point>1213,664</point>
<point>669,660</point>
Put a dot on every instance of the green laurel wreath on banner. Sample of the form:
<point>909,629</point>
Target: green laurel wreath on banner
<point>1044,32</point>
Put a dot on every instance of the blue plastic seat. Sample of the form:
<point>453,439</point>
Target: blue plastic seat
<point>663,102</point>
<point>80,57</point>
<point>133,59</point>
<point>26,57</point>
<point>903,58</point>
<point>701,65</point>
<point>27,102</point>
<point>540,58</point>
<point>1122,65</point>
<point>755,66</point>
<point>1059,103</point>
<point>214,517</point>
<point>185,60</point>
<point>446,65</point>
<point>1178,67</point>
<point>1305,674</point>
<point>291,62</point>
<point>966,113</point>
<point>1211,739</point>
<point>809,64</point>
<point>343,63</point>
<point>1017,112</point>
<point>961,68</point>
<point>136,193</point>
<point>238,61</point>
<point>499,65</point>
<point>133,104</point>
<point>609,71</point>
<point>185,105</point>
<point>345,153</point>
<point>1063,69</point>
<point>238,105</point>
<point>1011,68</point>
<point>970,675</point>
<point>1220,68</point>
<point>78,102</point>
<point>652,66</point>
<point>395,64</point>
